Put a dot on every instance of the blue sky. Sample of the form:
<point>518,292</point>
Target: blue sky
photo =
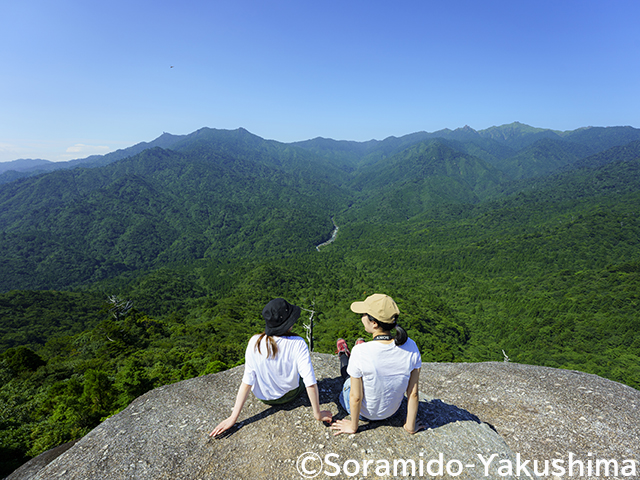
<point>81,77</point>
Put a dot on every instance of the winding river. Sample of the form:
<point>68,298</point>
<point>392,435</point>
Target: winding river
<point>333,236</point>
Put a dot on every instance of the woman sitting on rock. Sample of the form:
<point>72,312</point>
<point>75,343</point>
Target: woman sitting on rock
<point>277,362</point>
<point>378,373</point>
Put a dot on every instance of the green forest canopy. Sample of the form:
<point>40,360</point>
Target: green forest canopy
<point>545,268</point>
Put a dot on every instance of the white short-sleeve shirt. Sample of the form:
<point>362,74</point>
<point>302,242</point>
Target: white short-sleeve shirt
<point>385,370</point>
<point>271,378</point>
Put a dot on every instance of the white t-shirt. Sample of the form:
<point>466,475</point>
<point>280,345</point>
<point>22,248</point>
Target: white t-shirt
<point>385,370</point>
<point>271,378</point>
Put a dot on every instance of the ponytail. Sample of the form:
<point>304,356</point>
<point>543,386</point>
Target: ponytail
<point>272,346</point>
<point>401,335</point>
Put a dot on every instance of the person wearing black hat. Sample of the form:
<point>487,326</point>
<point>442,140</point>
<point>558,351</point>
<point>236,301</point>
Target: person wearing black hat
<point>277,365</point>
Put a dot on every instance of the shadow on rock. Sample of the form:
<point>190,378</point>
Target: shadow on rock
<point>432,412</point>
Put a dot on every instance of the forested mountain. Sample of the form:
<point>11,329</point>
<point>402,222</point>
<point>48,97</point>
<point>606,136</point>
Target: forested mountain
<point>242,145</point>
<point>542,157</point>
<point>601,138</point>
<point>427,174</point>
<point>22,164</point>
<point>517,135</point>
<point>8,174</point>
<point>358,154</point>
<point>624,153</point>
<point>155,267</point>
<point>156,208</point>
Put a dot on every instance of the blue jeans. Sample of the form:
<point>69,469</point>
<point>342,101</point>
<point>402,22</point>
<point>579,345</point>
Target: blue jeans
<point>344,397</point>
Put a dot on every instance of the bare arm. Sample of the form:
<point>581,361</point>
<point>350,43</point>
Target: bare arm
<point>241,398</point>
<point>314,398</point>
<point>412,403</point>
<point>355,403</point>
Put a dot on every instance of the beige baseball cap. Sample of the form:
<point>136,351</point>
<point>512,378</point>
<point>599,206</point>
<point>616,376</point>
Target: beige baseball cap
<point>380,306</point>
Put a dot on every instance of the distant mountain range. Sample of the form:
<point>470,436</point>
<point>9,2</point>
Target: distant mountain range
<point>10,171</point>
<point>23,164</point>
<point>511,241</point>
<point>504,143</point>
<point>227,194</point>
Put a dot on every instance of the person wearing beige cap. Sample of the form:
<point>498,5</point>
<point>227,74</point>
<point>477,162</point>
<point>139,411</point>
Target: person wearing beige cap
<point>378,373</point>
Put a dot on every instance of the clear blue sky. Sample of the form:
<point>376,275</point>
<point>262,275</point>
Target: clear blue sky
<point>80,77</point>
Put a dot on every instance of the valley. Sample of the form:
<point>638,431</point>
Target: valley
<point>514,239</point>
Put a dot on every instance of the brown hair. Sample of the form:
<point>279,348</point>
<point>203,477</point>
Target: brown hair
<point>272,346</point>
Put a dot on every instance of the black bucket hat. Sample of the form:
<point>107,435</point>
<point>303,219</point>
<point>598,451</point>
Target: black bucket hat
<point>279,316</point>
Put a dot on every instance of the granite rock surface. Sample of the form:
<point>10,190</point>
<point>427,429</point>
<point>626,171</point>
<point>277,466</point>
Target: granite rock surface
<point>509,413</point>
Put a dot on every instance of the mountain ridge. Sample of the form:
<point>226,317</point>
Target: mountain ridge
<point>516,133</point>
<point>156,199</point>
<point>543,264</point>
<point>394,179</point>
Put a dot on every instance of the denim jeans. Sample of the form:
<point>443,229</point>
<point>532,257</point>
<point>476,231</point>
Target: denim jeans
<point>344,397</point>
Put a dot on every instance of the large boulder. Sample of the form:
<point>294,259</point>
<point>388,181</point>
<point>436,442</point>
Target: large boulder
<point>503,415</point>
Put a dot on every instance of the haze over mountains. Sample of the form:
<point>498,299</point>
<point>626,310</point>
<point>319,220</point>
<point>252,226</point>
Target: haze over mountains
<point>219,193</point>
<point>512,239</point>
<point>507,140</point>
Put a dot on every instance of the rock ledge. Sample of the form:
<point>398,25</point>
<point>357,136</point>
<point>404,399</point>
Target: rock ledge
<point>515,412</point>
